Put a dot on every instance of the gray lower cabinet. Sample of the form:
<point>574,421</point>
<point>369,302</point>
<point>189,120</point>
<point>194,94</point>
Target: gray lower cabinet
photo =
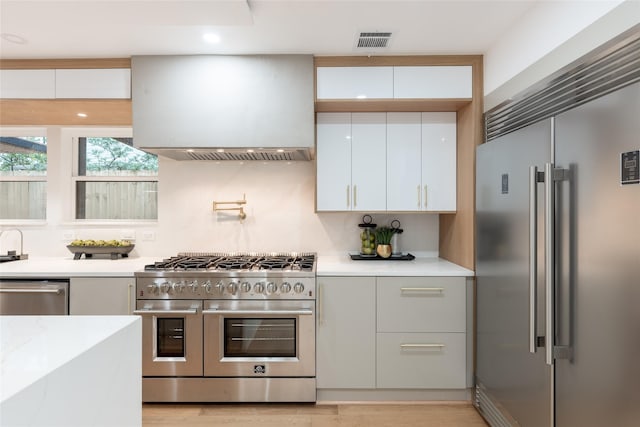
<point>346,333</point>
<point>101,295</point>
<point>392,333</point>
<point>421,325</point>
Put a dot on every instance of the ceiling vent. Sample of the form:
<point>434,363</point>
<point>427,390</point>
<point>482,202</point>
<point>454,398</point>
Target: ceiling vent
<point>373,40</point>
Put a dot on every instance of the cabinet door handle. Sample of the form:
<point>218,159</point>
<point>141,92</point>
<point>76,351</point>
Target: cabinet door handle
<point>425,195</point>
<point>348,196</point>
<point>129,289</point>
<point>320,292</point>
<point>421,289</point>
<point>355,196</point>
<point>403,346</point>
<point>418,196</point>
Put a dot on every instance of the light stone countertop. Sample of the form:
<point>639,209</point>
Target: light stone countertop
<point>33,347</point>
<point>327,265</point>
<point>62,267</point>
<point>343,265</point>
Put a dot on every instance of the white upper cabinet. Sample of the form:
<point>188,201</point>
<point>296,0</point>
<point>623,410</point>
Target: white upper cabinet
<point>439,162</point>
<point>399,82</point>
<point>404,161</point>
<point>368,161</point>
<point>35,84</point>
<point>433,82</point>
<point>93,83</point>
<point>66,83</point>
<point>354,82</point>
<point>386,162</point>
<point>350,161</point>
<point>333,157</point>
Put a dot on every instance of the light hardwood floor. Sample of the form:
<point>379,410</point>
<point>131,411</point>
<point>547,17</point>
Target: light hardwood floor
<point>307,415</point>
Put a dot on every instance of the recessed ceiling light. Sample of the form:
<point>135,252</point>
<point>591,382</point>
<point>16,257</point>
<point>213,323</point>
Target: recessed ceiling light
<point>190,150</point>
<point>280,150</point>
<point>250,150</point>
<point>220,150</point>
<point>211,38</point>
<point>361,96</point>
<point>83,115</point>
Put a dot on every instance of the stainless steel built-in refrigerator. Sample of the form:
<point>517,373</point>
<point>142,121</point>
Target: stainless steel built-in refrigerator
<point>558,254</point>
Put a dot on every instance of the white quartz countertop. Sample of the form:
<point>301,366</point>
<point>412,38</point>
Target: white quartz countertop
<point>327,265</point>
<point>343,265</point>
<point>32,347</point>
<point>53,267</point>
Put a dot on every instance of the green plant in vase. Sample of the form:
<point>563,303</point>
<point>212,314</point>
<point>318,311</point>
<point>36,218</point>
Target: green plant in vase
<point>383,239</point>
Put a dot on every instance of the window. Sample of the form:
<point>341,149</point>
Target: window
<point>114,180</point>
<point>23,177</point>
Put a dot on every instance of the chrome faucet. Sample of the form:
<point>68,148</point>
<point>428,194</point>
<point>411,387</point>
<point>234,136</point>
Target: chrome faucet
<point>22,254</point>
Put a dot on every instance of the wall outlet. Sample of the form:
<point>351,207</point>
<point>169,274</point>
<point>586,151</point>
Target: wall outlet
<point>127,235</point>
<point>68,235</point>
<point>148,236</point>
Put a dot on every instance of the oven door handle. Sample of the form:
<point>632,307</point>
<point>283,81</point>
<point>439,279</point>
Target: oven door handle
<point>160,312</point>
<point>259,312</point>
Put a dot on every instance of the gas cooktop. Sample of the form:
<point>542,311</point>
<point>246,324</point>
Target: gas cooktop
<point>289,263</point>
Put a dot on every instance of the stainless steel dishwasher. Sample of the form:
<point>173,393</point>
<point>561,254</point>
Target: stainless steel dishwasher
<point>34,297</point>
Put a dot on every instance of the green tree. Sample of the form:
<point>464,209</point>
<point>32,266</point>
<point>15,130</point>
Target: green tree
<point>110,154</point>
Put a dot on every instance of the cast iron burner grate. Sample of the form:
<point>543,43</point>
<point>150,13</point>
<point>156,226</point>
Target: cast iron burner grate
<point>234,262</point>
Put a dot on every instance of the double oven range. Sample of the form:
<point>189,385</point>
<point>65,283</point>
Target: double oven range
<point>228,328</point>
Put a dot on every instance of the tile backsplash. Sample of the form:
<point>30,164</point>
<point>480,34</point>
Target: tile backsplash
<point>279,207</point>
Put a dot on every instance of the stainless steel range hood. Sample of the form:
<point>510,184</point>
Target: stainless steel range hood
<point>217,107</point>
<point>238,154</point>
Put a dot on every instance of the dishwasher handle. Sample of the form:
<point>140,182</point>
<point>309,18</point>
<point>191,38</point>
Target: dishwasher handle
<point>57,291</point>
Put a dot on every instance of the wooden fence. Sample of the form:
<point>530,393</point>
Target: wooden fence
<point>94,200</point>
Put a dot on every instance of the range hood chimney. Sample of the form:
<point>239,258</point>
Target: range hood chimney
<point>217,107</point>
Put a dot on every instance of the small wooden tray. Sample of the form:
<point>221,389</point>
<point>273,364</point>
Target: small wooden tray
<point>90,251</point>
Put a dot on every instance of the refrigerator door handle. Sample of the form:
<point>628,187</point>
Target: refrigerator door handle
<point>549,256</point>
<point>535,177</point>
<point>551,175</point>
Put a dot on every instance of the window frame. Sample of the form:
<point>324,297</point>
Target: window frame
<point>74,136</point>
<point>23,132</point>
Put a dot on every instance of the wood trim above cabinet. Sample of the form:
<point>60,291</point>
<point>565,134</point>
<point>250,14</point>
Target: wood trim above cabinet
<point>371,61</point>
<point>32,112</point>
<point>40,64</point>
<point>390,105</point>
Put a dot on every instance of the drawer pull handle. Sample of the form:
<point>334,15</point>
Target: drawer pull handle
<point>421,345</point>
<point>421,289</point>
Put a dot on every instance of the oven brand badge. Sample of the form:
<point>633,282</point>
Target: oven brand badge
<point>259,369</point>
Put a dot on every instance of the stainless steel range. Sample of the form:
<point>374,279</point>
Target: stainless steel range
<point>228,328</point>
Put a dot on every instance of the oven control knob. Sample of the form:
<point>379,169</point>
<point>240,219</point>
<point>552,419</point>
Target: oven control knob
<point>245,287</point>
<point>153,289</point>
<point>285,288</point>
<point>259,288</point>
<point>298,288</point>
<point>165,287</point>
<point>220,287</point>
<point>194,286</point>
<point>232,288</point>
<point>178,287</point>
<point>271,288</point>
<point>208,287</point>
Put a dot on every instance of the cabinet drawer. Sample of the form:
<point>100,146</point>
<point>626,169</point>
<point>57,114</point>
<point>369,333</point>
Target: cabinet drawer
<point>410,360</point>
<point>421,304</point>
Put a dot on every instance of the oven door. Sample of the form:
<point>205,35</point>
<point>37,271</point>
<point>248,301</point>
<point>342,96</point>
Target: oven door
<point>259,338</point>
<point>171,337</point>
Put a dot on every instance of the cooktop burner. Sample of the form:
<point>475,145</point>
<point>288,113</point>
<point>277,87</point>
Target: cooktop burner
<point>235,262</point>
